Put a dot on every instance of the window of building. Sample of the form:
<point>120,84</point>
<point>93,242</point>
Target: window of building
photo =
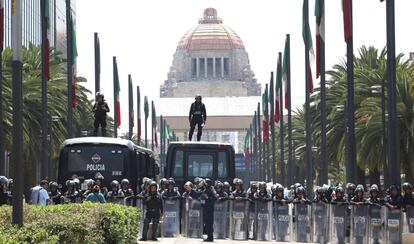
<point>226,67</point>
<point>178,163</point>
<point>193,67</point>
<point>209,67</point>
<point>200,165</point>
<point>222,165</point>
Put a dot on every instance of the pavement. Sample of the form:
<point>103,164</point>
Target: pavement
<point>183,240</point>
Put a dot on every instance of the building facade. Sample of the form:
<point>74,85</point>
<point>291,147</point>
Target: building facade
<point>32,34</point>
<point>211,60</point>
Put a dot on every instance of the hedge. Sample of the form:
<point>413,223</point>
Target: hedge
<point>72,223</point>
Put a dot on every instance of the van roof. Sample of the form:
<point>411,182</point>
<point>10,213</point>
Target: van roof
<point>192,143</point>
<point>104,140</point>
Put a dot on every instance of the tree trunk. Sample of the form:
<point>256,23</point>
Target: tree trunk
<point>360,177</point>
<point>374,177</point>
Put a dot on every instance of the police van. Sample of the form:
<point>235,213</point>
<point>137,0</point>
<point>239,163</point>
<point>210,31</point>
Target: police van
<point>187,160</point>
<point>113,158</point>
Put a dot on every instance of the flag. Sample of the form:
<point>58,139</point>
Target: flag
<point>131,102</point>
<point>265,101</point>
<point>320,32</point>
<point>166,130</point>
<point>117,89</point>
<point>97,47</point>
<point>285,69</point>
<point>45,42</point>
<point>307,39</point>
<point>347,12</point>
<point>247,143</point>
<point>1,25</point>
<point>139,114</point>
<point>74,56</point>
<point>278,90</point>
<point>272,100</point>
<point>154,124</point>
<point>146,107</point>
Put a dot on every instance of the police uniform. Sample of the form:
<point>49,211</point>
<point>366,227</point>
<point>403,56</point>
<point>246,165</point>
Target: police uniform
<point>100,109</point>
<point>154,208</point>
<point>197,116</point>
<point>208,198</point>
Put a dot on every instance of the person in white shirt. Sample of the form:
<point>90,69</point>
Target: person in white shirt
<point>43,194</point>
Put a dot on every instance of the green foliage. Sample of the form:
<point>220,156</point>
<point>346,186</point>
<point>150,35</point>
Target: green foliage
<point>72,223</point>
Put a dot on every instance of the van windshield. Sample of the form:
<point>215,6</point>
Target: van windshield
<point>200,165</point>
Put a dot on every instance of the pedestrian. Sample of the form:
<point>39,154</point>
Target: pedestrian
<point>154,212</point>
<point>197,116</point>
<point>208,197</point>
<point>43,198</point>
<point>100,108</point>
<point>96,195</point>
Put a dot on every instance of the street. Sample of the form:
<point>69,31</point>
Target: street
<point>183,240</point>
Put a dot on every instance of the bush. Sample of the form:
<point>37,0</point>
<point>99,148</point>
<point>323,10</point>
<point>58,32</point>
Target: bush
<point>72,223</point>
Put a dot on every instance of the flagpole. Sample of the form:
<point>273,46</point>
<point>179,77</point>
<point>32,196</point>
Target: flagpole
<point>272,127</point>
<point>267,144</point>
<point>130,107</point>
<point>138,117</point>
<point>17,149</point>
<point>2,136</point>
<point>161,142</point>
<point>97,48</point>
<point>44,162</point>
<point>350,111</point>
<point>255,141</point>
<point>251,153</point>
<point>152,126</point>
<point>324,150</point>
<point>259,141</point>
<point>282,137</point>
<point>309,163</point>
<point>290,180</point>
<point>69,66</point>
<point>115,74</point>
<point>146,111</point>
<point>393,143</point>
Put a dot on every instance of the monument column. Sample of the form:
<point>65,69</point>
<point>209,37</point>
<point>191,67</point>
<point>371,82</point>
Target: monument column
<point>222,67</point>
<point>205,67</point>
<point>214,67</point>
<point>197,67</point>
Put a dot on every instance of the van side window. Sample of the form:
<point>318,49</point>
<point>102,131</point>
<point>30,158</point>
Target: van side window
<point>222,165</point>
<point>178,163</point>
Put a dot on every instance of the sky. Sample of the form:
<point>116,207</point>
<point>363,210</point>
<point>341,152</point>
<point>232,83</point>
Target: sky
<point>143,35</point>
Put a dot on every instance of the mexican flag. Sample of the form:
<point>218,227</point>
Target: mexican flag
<point>307,39</point>
<point>117,89</point>
<point>272,99</point>
<point>320,32</point>
<point>265,107</point>
<point>278,90</point>
<point>154,124</point>
<point>285,69</point>
<point>347,12</point>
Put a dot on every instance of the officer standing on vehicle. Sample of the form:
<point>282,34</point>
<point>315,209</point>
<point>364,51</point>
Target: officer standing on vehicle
<point>197,116</point>
<point>100,108</point>
<point>154,212</point>
<point>208,197</point>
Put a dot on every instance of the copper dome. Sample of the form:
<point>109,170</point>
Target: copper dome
<point>210,34</point>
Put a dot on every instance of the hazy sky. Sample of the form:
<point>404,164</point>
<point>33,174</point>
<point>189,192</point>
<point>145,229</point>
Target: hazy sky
<point>144,35</point>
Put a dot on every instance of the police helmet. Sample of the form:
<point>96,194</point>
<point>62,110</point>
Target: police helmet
<point>279,187</point>
<point>115,183</point>
<point>208,182</point>
<point>171,181</point>
<point>188,185</point>
<point>300,190</point>
<point>4,180</point>
<point>373,188</point>
<point>163,181</point>
<point>320,190</point>
<point>197,180</point>
<point>99,176</point>
<point>392,188</point>
<point>198,96</point>
<point>226,185</point>
<point>53,184</point>
<point>406,186</point>
<point>219,185</point>
<point>99,94</point>
<point>77,181</point>
<point>124,182</point>
<point>262,185</point>
<point>238,181</point>
<point>359,188</point>
<point>153,183</point>
<point>89,182</point>
<point>253,185</point>
<point>70,183</point>
<point>350,186</point>
<point>339,189</point>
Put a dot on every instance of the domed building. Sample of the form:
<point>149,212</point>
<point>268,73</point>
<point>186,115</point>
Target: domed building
<point>210,60</point>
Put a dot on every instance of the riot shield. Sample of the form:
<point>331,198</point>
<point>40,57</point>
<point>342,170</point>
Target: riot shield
<point>220,222</point>
<point>193,219</point>
<point>302,227</point>
<point>282,222</point>
<point>359,224</point>
<point>263,220</point>
<point>129,201</point>
<point>239,219</point>
<point>170,226</point>
<point>251,224</point>
<point>142,208</point>
<point>338,223</point>
<point>376,224</point>
<point>393,226</point>
<point>320,215</point>
<point>410,219</point>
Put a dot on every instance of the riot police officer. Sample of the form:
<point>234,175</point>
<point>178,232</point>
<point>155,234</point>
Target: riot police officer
<point>89,187</point>
<point>227,188</point>
<point>98,181</point>
<point>71,194</point>
<point>154,206</point>
<point>375,213</point>
<point>358,198</point>
<point>163,185</point>
<point>319,195</point>
<point>114,195</point>
<point>208,197</point>
<point>54,194</point>
<point>394,199</point>
<point>262,194</point>
<point>4,194</point>
<point>221,195</point>
<point>197,116</point>
<point>170,193</point>
<point>100,108</point>
<point>350,191</point>
<point>125,189</point>
<point>408,198</point>
<point>238,193</point>
<point>189,193</point>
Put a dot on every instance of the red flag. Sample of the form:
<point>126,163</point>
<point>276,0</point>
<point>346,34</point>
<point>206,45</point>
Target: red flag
<point>347,12</point>
<point>2,24</point>
<point>73,85</point>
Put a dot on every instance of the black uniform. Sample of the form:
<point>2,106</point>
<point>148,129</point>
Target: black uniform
<point>4,197</point>
<point>170,194</point>
<point>100,109</point>
<point>55,197</point>
<point>153,203</point>
<point>197,116</point>
<point>115,196</point>
<point>208,197</point>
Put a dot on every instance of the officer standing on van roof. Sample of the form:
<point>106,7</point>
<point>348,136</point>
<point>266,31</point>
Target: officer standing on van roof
<point>197,116</point>
<point>100,108</point>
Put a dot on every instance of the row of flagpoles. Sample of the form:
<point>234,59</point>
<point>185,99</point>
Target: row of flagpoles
<point>261,154</point>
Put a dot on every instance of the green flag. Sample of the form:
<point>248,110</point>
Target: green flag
<point>146,107</point>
